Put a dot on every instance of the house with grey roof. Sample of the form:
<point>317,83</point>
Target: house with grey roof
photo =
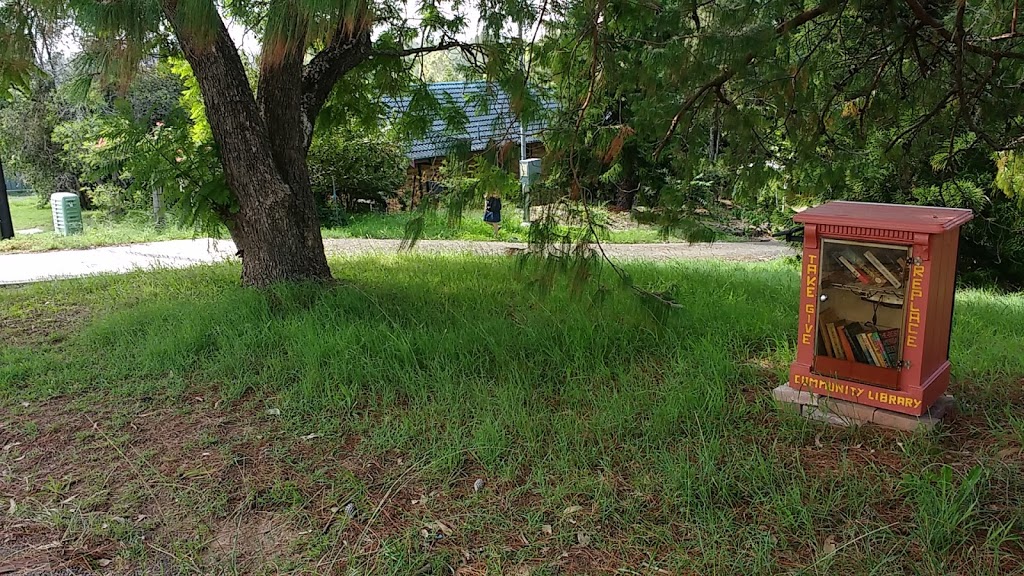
<point>490,124</point>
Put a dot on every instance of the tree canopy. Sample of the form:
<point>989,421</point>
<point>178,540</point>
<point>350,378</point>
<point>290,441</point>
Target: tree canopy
<point>688,102</point>
<point>320,63</point>
<point>797,85</point>
<point>676,104</point>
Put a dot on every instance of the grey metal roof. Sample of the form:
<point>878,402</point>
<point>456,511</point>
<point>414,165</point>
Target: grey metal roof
<point>490,123</point>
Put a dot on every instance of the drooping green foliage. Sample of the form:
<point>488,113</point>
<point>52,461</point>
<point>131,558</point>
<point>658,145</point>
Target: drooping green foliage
<point>16,49</point>
<point>685,102</point>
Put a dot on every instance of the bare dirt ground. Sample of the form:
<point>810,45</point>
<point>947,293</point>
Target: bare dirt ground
<point>104,486</point>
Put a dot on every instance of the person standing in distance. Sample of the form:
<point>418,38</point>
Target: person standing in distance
<point>492,211</point>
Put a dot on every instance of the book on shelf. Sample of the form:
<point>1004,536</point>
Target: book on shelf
<point>826,339</point>
<point>883,269</point>
<point>891,343</point>
<point>827,324</point>
<point>859,342</point>
<point>846,345</point>
<point>852,331</point>
<point>837,349</point>
<point>857,274</point>
<point>865,346</point>
<point>876,347</point>
<point>868,270</point>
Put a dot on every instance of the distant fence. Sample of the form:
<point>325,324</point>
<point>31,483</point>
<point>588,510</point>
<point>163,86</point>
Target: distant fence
<point>16,185</point>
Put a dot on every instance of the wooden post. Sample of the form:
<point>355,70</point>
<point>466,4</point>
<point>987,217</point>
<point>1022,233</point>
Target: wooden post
<point>158,206</point>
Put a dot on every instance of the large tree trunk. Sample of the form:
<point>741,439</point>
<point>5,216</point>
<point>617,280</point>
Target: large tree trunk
<point>279,240</point>
<point>276,229</point>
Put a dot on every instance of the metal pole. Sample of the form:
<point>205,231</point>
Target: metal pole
<point>6,224</point>
<point>522,141</point>
<point>522,125</point>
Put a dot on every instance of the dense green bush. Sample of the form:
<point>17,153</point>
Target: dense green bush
<point>356,170</point>
<point>65,136</point>
<point>27,125</point>
<point>991,246</point>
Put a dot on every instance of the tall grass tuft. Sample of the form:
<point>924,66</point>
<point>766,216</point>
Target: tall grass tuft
<point>946,507</point>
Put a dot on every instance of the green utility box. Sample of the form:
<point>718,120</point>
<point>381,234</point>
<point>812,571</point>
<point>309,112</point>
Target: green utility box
<point>67,213</point>
<point>529,172</point>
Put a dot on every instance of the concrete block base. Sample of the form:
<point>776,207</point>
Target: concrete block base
<point>842,413</point>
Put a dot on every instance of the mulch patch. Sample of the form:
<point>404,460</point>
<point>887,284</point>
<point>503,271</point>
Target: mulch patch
<point>91,488</point>
<point>43,323</point>
<point>132,486</point>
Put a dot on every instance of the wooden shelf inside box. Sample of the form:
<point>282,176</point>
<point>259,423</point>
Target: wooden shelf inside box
<point>857,372</point>
<point>885,294</point>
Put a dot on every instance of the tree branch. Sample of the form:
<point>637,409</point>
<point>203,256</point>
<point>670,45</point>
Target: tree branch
<point>939,107</point>
<point>802,18</point>
<point>595,30</point>
<point>921,14</point>
<point>959,41</point>
<point>716,83</point>
<point>877,78</point>
<point>723,98</point>
<point>443,46</point>
<point>349,47</point>
<point>1007,36</point>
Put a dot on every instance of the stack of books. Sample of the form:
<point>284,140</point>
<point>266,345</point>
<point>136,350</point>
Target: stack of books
<point>871,270</point>
<point>862,343</point>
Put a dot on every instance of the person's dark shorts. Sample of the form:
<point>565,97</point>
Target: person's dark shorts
<point>492,217</point>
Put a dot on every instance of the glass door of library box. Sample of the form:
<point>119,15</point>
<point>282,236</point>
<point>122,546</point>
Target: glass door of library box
<point>861,311</point>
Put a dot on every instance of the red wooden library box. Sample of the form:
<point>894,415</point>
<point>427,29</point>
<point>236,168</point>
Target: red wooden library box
<point>876,303</point>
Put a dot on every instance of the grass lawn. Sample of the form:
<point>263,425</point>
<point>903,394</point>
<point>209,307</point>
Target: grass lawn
<point>26,213</point>
<point>472,227</point>
<point>100,230</point>
<point>172,422</point>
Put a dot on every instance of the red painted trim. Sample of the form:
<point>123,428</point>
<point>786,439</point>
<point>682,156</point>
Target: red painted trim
<point>896,217</point>
<point>913,402</point>
<point>931,235</point>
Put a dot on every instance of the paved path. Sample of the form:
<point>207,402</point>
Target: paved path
<point>28,267</point>
<point>23,268</point>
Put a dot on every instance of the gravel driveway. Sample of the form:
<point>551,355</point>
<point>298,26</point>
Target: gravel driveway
<point>733,251</point>
<point>25,267</point>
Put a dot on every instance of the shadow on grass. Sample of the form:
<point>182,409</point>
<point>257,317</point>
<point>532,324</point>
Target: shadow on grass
<point>656,422</point>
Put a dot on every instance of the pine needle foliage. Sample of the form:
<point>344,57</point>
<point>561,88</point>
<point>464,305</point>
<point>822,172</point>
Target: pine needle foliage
<point>674,105</point>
